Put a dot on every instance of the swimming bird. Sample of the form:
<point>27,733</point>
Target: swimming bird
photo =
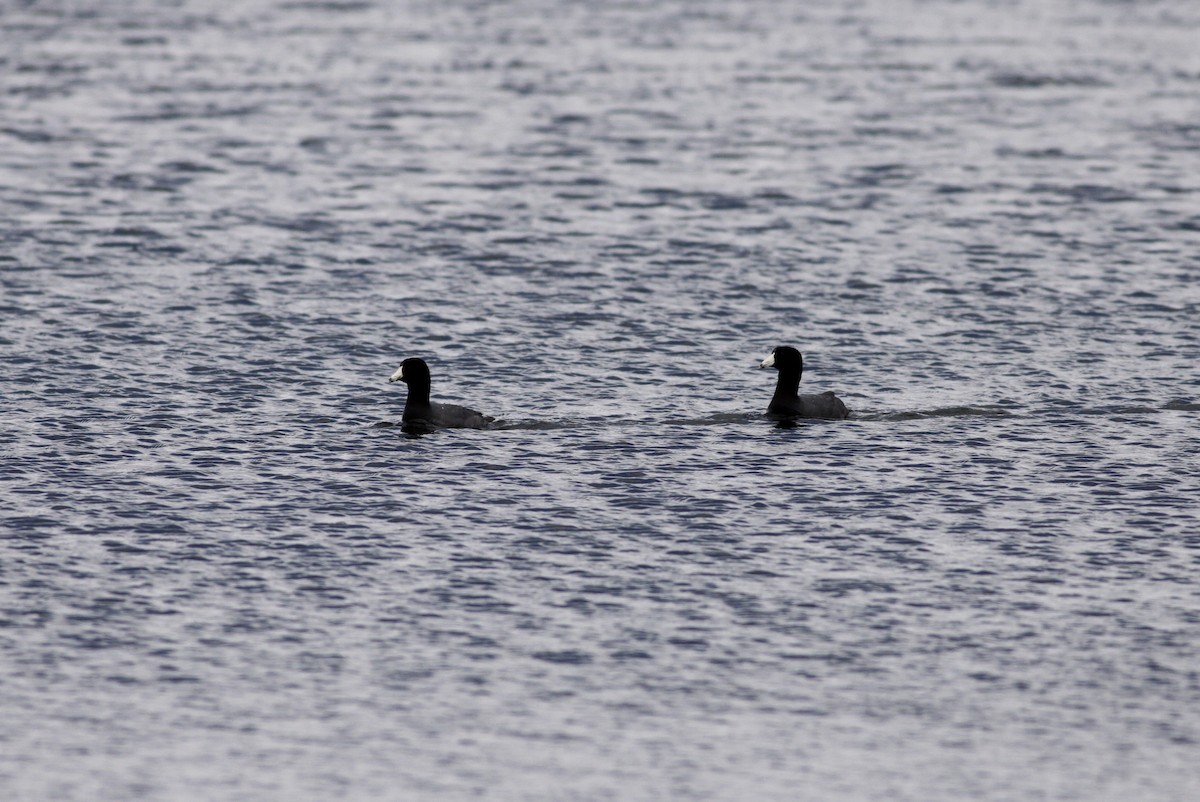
<point>787,401</point>
<point>422,415</point>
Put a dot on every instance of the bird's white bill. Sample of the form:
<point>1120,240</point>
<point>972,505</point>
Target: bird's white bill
<point>769,362</point>
<point>398,375</point>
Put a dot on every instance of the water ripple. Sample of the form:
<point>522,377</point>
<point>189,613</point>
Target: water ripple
<point>224,566</point>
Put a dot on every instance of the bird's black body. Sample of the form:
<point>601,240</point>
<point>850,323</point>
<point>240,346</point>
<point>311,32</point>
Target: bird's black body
<point>788,402</point>
<point>421,415</point>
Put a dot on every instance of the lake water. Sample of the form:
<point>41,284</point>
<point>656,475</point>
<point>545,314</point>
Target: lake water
<point>224,225</point>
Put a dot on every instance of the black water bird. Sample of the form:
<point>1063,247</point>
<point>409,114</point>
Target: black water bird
<point>422,415</point>
<point>788,402</point>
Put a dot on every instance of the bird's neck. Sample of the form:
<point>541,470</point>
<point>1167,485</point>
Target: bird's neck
<point>787,386</point>
<point>418,397</point>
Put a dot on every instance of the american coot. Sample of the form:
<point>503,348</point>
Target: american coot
<point>420,414</point>
<point>787,401</point>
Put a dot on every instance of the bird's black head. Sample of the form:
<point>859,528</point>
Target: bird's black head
<point>784,357</point>
<point>410,370</point>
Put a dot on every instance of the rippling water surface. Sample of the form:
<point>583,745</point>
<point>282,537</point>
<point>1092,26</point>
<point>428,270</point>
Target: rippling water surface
<point>224,225</point>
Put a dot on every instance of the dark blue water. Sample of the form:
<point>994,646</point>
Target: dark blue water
<point>223,226</point>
